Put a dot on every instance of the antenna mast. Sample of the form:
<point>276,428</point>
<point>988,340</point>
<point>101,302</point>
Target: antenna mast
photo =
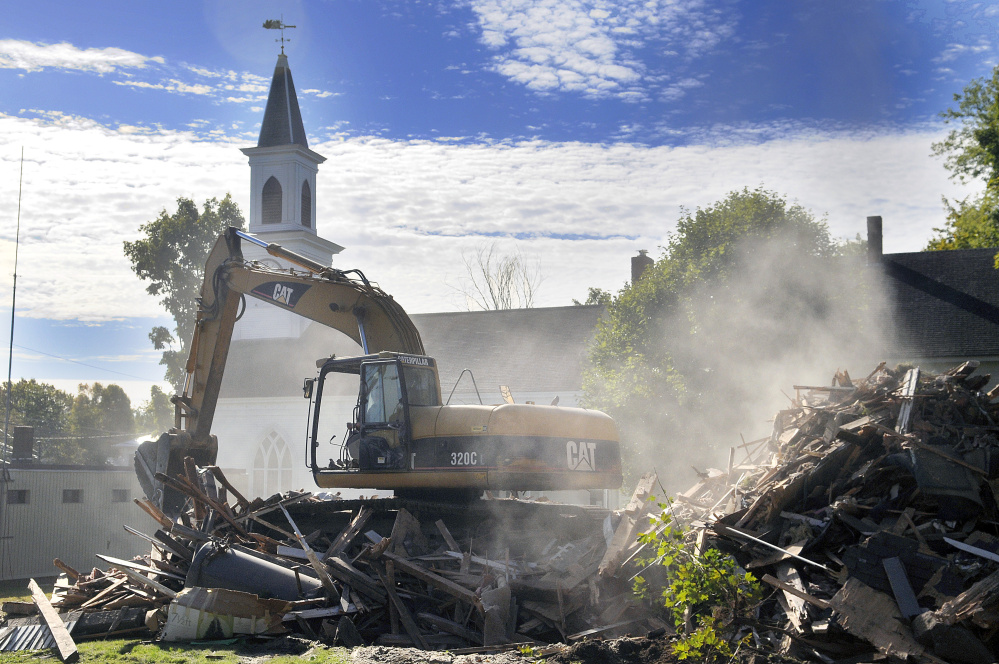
<point>4,446</point>
<point>278,24</point>
<point>13,301</point>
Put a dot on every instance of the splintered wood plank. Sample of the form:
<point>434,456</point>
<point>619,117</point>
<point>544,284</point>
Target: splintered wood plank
<point>404,615</point>
<point>321,570</point>
<point>350,533</point>
<point>406,526</point>
<point>874,617</point>
<point>451,627</point>
<point>627,529</point>
<point>97,599</point>
<point>349,574</point>
<point>70,572</point>
<point>437,581</point>
<point>136,576</point>
<point>797,613</point>
<point>788,588</point>
<point>224,481</point>
<point>149,508</point>
<point>452,545</point>
<point>64,642</point>
<point>393,614</point>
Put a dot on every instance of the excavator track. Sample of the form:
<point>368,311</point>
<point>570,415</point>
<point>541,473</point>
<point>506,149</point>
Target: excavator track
<point>488,519</point>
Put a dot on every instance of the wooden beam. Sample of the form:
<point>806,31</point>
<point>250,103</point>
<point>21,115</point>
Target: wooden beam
<point>64,642</point>
<point>224,481</point>
<point>321,570</point>
<point>446,534</point>
<point>139,578</point>
<point>185,487</point>
<point>788,588</point>
<point>350,533</point>
<point>437,581</point>
<point>404,615</point>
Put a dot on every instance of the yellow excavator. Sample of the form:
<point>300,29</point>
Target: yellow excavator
<point>402,436</point>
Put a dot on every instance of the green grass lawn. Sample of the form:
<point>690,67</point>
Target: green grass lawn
<point>121,651</point>
<point>134,651</point>
<point>17,591</point>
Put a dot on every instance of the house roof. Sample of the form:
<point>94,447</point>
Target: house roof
<point>946,303</point>
<point>282,123</point>
<point>529,350</point>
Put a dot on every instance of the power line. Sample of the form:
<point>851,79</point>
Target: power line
<point>84,364</point>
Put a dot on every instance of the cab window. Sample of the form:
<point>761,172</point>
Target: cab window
<point>382,392</point>
<point>421,386</point>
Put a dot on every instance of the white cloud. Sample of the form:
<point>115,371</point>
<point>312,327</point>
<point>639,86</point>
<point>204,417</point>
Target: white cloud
<point>588,46</point>
<point>320,94</point>
<point>31,56</point>
<point>955,50</point>
<point>157,75</point>
<point>405,210</point>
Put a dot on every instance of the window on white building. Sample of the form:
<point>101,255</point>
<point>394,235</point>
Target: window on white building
<point>72,495</point>
<point>271,466</point>
<point>18,496</point>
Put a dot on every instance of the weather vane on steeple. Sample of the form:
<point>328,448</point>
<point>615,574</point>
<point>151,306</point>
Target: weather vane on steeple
<point>278,24</point>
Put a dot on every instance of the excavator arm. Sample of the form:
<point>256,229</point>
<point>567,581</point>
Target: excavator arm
<point>345,301</point>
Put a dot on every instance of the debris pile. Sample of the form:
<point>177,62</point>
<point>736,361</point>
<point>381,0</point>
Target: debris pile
<point>872,513</point>
<point>477,577</point>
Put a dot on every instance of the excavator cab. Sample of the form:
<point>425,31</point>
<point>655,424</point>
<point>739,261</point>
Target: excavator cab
<point>380,434</point>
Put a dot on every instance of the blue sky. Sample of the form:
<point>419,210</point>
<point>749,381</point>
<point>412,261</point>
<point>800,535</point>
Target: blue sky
<point>570,131</point>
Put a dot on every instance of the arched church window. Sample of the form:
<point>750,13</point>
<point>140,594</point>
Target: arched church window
<point>306,204</point>
<point>271,466</point>
<point>271,203</point>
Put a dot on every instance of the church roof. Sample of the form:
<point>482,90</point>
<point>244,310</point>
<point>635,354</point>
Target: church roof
<point>282,123</point>
<point>528,350</point>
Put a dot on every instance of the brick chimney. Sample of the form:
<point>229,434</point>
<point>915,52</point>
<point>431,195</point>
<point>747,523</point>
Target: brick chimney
<point>874,245</point>
<point>23,444</point>
<point>639,264</point>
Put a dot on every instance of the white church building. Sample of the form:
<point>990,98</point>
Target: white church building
<point>262,417</point>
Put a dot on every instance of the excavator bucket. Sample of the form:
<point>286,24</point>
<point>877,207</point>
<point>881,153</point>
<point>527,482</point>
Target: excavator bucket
<point>164,457</point>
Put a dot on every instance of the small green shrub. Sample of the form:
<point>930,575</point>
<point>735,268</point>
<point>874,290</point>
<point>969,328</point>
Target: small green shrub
<point>710,590</point>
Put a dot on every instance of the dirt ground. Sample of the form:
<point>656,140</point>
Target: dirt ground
<point>629,650</point>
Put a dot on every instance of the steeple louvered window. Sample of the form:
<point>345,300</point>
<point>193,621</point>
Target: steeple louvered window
<point>271,201</point>
<point>306,204</point>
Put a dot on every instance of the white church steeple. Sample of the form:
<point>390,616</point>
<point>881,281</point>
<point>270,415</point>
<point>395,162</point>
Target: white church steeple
<point>283,175</point>
<point>282,203</point>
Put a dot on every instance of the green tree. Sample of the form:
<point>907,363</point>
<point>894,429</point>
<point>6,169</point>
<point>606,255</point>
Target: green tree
<point>45,408</point>
<point>99,417</point>
<point>732,290</point>
<point>156,415</point>
<point>971,153</point>
<point>171,257</point>
<point>971,224</point>
<point>595,296</point>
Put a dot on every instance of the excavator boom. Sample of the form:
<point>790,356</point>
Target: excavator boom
<point>345,301</point>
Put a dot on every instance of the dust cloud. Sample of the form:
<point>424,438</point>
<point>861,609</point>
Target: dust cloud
<point>780,319</point>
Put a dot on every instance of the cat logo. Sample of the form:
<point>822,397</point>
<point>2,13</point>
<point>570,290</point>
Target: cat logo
<point>581,456</point>
<point>282,292</point>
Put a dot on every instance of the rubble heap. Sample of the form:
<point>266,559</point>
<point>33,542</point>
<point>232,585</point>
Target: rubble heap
<point>872,512</point>
<point>479,577</point>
